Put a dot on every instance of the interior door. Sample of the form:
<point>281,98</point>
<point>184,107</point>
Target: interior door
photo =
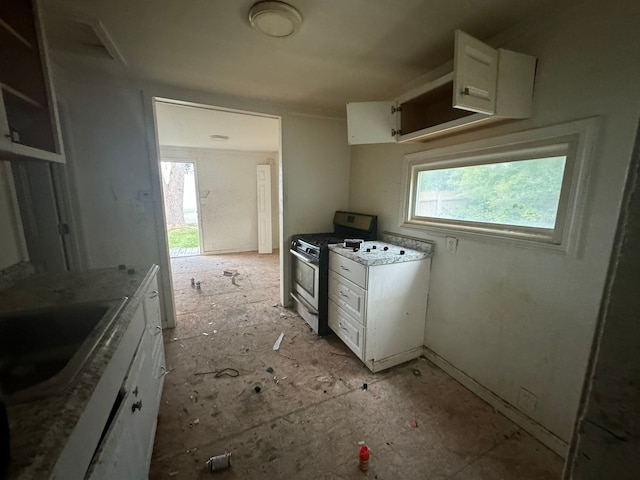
<point>264,208</point>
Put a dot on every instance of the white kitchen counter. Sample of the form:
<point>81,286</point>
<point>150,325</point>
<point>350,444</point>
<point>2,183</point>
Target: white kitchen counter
<point>41,429</point>
<point>377,255</point>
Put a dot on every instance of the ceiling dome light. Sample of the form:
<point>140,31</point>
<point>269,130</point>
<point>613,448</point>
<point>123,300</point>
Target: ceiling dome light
<point>276,19</point>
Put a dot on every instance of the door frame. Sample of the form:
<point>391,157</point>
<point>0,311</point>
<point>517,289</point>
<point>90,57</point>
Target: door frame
<point>165,277</point>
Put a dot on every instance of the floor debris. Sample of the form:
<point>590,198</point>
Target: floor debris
<point>269,369</point>
<point>228,372</point>
<point>276,345</point>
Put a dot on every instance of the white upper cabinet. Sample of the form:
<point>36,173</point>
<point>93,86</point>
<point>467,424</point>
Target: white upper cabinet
<point>486,84</point>
<point>475,79</point>
<point>29,124</point>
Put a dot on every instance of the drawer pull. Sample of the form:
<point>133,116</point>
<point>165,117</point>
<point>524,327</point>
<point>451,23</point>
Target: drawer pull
<point>343,294</point>
<point>344,268</point>
<point>154,294</point>
<point>136,406</point>
<point>158,329</point>
<point>343,327</point>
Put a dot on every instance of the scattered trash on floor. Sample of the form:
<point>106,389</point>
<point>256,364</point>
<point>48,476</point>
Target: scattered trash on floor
<point>257,388</point>
<point>194,449</point>
<point>205,334</point>
<point>193,282</point>
<point>414,424</point>
<point>340,354</point>
<point>285,315</point>
<point>215,331</point>
<point>276,345</point>
<point>173,474</point>
<point>230,272</point>
<point>365,386</point>
<point>361,442</point>
<point>275,304</point>
<point>364,458</point>
<point>269,369</point>
<point>219,462</point>
<point>417,372</point>
<point>229,372</point>
<point>197,285</point>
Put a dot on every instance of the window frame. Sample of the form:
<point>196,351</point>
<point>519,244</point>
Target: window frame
<point>573,139</point>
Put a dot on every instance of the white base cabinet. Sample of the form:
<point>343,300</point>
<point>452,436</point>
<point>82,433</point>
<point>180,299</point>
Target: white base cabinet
<point>125,451</point>
<point>379,311</point>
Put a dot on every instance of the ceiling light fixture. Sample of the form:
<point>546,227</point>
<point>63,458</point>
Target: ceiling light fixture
<point>275,19</point>
<point>219,138</point>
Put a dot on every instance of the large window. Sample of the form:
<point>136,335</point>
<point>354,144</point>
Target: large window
<point>523,186</point>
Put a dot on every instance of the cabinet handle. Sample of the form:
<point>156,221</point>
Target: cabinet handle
<point>154,294</point>
<point>465,91</point>
<point>158,329</point>
<point>344,268</point>
<point>343,327</point>
<point>136,406</point>
<point>343,294</point>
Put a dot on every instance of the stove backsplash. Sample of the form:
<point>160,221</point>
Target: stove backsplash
<point>408,242</point>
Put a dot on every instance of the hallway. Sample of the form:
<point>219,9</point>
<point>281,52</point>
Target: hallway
<point>311,411</point>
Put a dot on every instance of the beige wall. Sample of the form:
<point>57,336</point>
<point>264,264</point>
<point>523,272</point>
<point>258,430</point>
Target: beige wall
<point>112,141</point>
<point>226,180</point>
<point>507,316</point>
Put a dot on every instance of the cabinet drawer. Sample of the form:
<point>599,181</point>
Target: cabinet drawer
<point>345,327</point>
<point>349,269</point>
<point>349,296</point>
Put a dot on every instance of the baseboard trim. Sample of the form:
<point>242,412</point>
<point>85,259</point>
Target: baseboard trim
<point>535,429</point>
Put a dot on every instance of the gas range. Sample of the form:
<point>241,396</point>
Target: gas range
<point>310,265</point>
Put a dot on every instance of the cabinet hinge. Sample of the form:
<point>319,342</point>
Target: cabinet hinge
<point>395,133</point>
<point>395,109</point>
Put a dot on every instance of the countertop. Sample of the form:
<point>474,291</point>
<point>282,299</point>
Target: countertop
<point>377,255</point>
<point>41,427</point>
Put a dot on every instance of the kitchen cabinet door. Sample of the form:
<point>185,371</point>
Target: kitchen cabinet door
<point>371,122</point>
<point>475,75</point>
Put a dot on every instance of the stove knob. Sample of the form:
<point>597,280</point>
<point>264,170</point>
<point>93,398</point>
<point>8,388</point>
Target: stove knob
<point>355,249</point>
<point>401,252</point>
<point>386,248</point>
<point>368,250</point>
<point>374,247</point>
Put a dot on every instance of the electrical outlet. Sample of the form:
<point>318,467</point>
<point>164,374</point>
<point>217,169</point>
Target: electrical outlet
<point>452,245</point>
<point>527,400</point>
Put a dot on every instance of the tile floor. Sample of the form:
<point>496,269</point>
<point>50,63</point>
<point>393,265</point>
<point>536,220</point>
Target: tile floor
<point>311,412</point>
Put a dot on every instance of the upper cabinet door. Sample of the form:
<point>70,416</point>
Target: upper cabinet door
<point>475,75</point>
<point>371,122</point>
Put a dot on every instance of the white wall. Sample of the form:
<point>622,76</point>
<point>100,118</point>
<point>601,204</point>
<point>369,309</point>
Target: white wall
<point>228,203</point>
<point>512,317</point>
<point>12,247</point>
<point>115,158</point>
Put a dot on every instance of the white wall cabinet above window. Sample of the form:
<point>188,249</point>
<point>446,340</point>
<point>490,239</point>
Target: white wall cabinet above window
<point>486,84</point>
<point>29,125</point>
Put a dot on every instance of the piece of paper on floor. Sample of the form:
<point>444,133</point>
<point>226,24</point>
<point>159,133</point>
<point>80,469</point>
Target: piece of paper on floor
<point>276,345</point>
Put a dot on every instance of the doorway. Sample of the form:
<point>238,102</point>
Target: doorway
<point>229,162</point>
<point>179,194</point>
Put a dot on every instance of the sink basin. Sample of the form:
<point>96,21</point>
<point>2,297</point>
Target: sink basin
<point>42,350</point>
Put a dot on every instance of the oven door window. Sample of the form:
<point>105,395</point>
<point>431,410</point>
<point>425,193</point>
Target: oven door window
<point>306,277</point>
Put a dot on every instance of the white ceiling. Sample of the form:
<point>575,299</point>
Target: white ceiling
<point>346,50</point>
<point>184,126</point>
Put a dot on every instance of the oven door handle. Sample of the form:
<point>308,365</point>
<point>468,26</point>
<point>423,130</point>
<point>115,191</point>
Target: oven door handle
<point>305,258</point>
<point>306,306</point>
